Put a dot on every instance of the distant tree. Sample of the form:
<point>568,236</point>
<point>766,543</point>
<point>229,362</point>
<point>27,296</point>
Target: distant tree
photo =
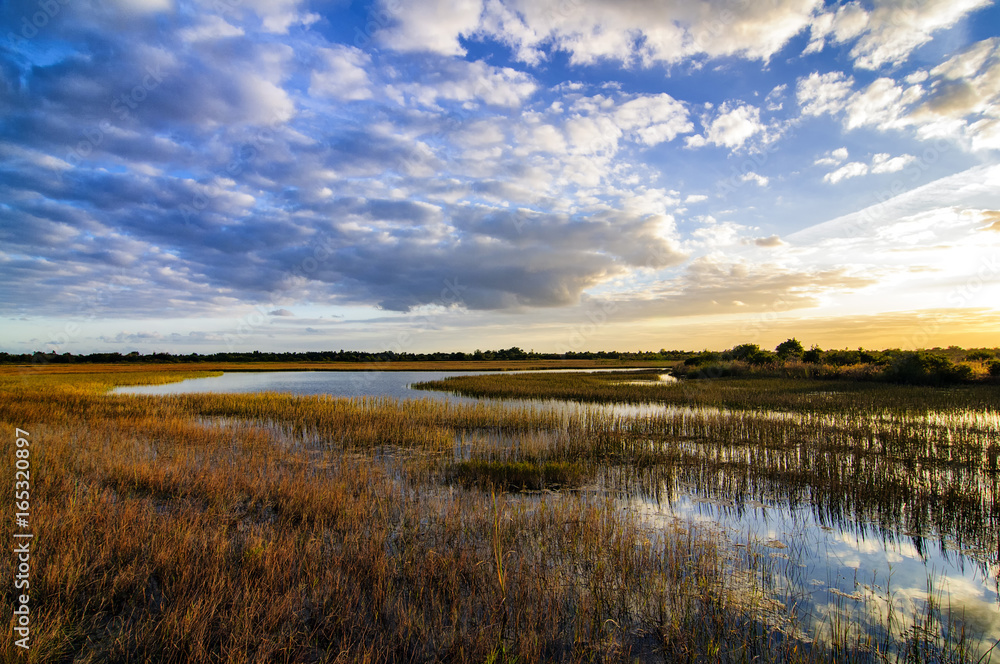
<point>979,355</point>
<point>814,355</point>
<point>789,348</point>
<point>749,353</point>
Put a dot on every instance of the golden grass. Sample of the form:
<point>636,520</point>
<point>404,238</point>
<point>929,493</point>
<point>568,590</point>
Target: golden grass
<point>266,527</point>
<point>441,365</point>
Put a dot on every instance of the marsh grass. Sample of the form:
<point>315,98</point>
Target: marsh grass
<point>793,394</point>
<point>267,527</point>
<point>518,475</point>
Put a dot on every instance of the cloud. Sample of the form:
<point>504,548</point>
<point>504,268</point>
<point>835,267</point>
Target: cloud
<point>882,162</point>
<point>992,220</point>
<point>850,170</point>
<point>888,33</point>
<point>832,158</point>
<point>771,241</point>
<point>823,93</point>
<point>732,127</point>
<point>882,104</point>
<point>885,163</point>
<point>593,30</point>
<point>280,312</point>
<point>462,81</point>
<point>653,119</point>
<point>433,26</point>
<point>750,176</point>
<point>954,100</point>
<point>342,74</point>
<point>712,285</point>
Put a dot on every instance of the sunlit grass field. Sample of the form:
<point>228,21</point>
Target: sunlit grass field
<point>272,527</point>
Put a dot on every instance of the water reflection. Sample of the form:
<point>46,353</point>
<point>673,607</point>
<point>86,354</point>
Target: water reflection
<point>830,573</point>
<point>862,514</point>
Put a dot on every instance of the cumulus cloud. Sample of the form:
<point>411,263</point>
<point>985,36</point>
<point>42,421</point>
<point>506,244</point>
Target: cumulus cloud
<point>758,179</point>
<point>240,156</point>
<point>341,74</point>
<point>954,100</point>
<point>887,33</point>
<point>882,162</point>
<point>885,163</point>
<point>850,170</point>
<point>592,30</point>
<point>462,81</point>
<point>732,127</point>
<point>823,93</point>
<point>832,158</point>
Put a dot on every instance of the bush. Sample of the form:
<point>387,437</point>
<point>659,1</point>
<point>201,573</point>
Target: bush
<point>994,368</point>
<point>704,357</point>
<point>923,368</point>
<point>813,356</point>
<point>789,348</point>
<point>979,356</point>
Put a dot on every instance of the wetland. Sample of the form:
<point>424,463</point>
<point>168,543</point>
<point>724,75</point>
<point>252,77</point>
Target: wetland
<point>512,517</point>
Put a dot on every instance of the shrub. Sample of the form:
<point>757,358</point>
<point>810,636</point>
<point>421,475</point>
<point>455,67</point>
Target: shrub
<point>789,348</point>
<point>813,356</point>
<point>921,367</point>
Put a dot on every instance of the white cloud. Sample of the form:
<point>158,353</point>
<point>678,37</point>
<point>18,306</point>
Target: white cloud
<point>882,104</point>
<point>823,93</point>
<point>884,163</point>
<point>653,118</point>
<point>695,198</point>
<point>832,158</point>
<point>850,170</point>
<point>643,31</point>
<point>847,22</point>
<point>755,177</point>
<point>210,28</point>
<point>343,74</point>
<point>732,127</point>
<point>888,33</point>
<point>955,100</point>
<point>471,82</point>
<point>895,29</point>
<point>881,162</point>
<point>433,26</point>
<point>277,16</point>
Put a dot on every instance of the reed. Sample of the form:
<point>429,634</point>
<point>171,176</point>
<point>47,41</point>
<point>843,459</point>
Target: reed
<point>266,527</point>
<point>742,393</point>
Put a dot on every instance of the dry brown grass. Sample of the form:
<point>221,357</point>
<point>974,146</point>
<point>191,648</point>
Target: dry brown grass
<point>166,536</point>
<point>260,528</point>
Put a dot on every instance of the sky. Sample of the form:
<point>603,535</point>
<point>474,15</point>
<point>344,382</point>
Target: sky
<point>282,175</point>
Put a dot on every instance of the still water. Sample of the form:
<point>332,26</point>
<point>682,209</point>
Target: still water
<point>825,566</point>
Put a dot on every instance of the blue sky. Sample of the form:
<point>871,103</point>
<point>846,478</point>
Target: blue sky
<point>290,175</point>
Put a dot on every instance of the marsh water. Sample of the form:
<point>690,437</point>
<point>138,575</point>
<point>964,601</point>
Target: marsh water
<point>838,551</point>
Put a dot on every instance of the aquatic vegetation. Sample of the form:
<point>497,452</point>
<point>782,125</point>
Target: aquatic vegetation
<point>251,527</point>
<point>518,475</point>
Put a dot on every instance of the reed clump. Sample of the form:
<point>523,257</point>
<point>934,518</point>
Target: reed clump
<point>518,475</point>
